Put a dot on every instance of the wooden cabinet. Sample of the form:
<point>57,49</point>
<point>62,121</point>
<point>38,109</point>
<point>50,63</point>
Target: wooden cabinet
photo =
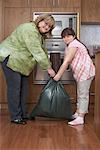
<point>12,13</point>
<point>97,94</point>
<point>2,80</point>
<point>71,89</point>
<point>67,3</point>
<point>92,92</point>
<point>56,3</point>
<point>17,3</point>
<point>3,97</point>
<point>16,17</point>
<point>20,11</point>
<point>90,11</point>
<point>41,3</point>
<point>1,19</point>
<point>55,6</point>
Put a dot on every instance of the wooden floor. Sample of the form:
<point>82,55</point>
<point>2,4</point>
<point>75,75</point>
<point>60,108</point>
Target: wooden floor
<point>47,134</point>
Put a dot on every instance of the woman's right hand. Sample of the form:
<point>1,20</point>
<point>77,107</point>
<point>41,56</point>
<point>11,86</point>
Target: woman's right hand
<point>51,72</point>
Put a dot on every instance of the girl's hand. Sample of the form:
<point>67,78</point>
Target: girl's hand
<point>57,77</point>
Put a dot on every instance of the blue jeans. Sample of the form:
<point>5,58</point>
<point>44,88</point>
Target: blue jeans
<point>17,91</point>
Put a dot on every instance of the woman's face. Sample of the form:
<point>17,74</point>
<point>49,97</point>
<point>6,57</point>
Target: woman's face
<point>43,27</point>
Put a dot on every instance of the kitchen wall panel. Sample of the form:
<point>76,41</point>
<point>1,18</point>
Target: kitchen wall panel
<point>67,3</point>
<point>75,9</point>
<point>42,3</point>
<point>17,3</point>
<point>13,16</point>
<point>90,34</point>
<point>2,79</point>
<point>90,11</point>
<point>20,11</point>
<point>1,20</point>
<point>56,3</point>
<point>16,16</point>
<point>97,95</point>
<point>3,94</point>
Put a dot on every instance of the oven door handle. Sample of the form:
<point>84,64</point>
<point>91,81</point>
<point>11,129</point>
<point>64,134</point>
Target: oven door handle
<point>68,69</point>
<point>55,45</point>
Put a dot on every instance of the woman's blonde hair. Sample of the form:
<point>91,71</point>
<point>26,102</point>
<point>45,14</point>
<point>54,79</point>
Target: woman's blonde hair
<point>49,20</point>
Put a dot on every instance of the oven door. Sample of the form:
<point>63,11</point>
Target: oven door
<point>41,76</point>
<point>67,77</point>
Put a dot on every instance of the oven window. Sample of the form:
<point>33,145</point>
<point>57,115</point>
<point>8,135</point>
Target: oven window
<point>58,29</point>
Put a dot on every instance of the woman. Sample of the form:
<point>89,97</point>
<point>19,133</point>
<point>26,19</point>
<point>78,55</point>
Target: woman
<point>83,69</point>
<point>19,53</point>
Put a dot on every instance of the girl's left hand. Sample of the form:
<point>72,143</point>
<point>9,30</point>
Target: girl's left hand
<point>57,77</point>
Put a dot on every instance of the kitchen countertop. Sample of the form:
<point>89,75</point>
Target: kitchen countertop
<point>97,50</point>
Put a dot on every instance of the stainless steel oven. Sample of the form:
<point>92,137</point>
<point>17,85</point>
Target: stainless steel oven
<point>62,20</point>
<point>56,57</point>
<point>56,46</point>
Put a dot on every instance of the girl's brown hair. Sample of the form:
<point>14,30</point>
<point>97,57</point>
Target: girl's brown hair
<point>49,20</point>
<point>68,31</point>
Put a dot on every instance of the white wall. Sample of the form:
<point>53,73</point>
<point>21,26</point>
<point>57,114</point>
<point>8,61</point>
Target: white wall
<point>90,34</point>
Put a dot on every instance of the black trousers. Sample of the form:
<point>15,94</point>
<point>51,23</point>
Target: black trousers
<point>17,91</point>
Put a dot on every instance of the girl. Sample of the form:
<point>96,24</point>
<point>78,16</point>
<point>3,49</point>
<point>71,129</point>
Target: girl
<point>83,71</point>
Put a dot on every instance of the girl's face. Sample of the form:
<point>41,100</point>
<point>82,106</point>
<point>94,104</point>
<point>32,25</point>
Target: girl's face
<point>68,38</point>
<point>43,27</point>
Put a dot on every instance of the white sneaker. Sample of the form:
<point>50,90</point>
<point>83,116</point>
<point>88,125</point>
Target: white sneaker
<point>75,115</point>
<point>78,121</point>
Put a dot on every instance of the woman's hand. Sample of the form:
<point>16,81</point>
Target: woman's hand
<point>51,72</point>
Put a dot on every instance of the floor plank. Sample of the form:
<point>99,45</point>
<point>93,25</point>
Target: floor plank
<point>47,134</point>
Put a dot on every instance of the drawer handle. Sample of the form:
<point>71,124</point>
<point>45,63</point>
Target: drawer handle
<point>55,44</point>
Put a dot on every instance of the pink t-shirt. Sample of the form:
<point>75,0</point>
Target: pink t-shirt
<point>82,65</point>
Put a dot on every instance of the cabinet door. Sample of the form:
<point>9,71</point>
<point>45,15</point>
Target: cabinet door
<point>67,6</point>
<point>91,11</point>
<point>3,94</point>
<point>55,3</point>
<point>17,3</point>
<point>1,20</point>
<point>71,90</point>
<point>97,10</point>
<point>14,17</point>
<point>67,3</point>
<point>41,3</point>
<point>92,92</point>
<point>97,95</point>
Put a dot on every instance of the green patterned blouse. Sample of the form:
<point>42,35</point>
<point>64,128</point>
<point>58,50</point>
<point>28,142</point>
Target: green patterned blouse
<point>25,48</point>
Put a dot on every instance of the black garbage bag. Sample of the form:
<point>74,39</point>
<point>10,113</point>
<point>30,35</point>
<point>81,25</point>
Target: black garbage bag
<point>54,102</point>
